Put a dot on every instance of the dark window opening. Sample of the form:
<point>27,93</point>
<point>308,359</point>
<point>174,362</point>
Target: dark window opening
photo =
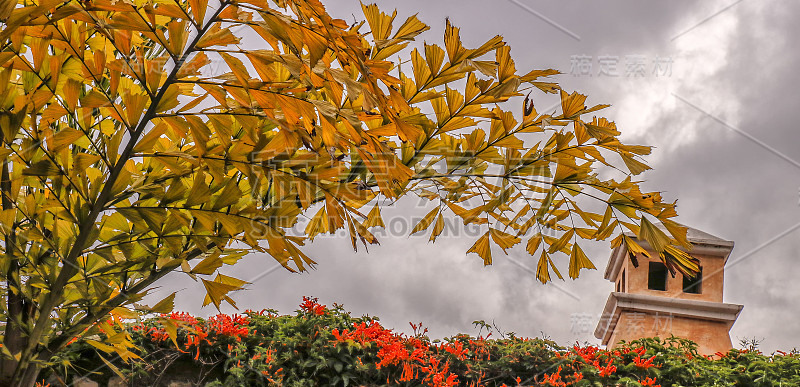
<point>657,278</point>
<point>693,284</point>
<point>622,283</point>
<point>617,286</point>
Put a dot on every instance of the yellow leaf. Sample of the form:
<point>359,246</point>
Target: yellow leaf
<point>379,23</point>
<point>482,248</point>
<point>633,247</point>
<point>374,218</point>
<point>316,44</point>
<point>193,66</point>
<point>103,347</point>
<point>72,89</point>
<point>169,100</point>
<point>53,113</point>
<point>421,71</point>
<point>199,193</point>
<point>208,265</point>
<point>364,234</point>
<point>468,216</point>
<point>608,129</point>
<point>217,36</point>
<point>171,327</point>
<point>677,231</point>
<point>319,224</point>
<point>177,37</point>
<point>577,261</point>
<point>410,29</point>
<point>216,292</point>
<point>134,107</point>
<point>150,138</point>
<point>503,239</point>
<point>505,65</point>
<point>634,166</point>
<point>534,74</point>
<point>571,104</point>
<point>542,269</point>
<point>561,242</point>
<point>112,367</point>
<point>66,137</point>
<point>488,68</point>
<point>237,67</point>
<point>653,235</point>
<point>492,44</point>
<point>452,43</point>
<point>42,168</point>
<point>437,228</point>
<point>199,10</point>
<point>533,244</point>
<point>221,278</point>
<point>687,264</point>
<point>229,195</point>
<point>95,99</point>
<point>164,306</point>
<point>426,221</point>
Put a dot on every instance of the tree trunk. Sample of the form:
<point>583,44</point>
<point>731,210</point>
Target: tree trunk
<point>21,373</point>
<point>15,372</point>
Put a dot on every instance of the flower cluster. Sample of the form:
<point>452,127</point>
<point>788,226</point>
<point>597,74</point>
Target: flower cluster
<point>323,345</point>
<point>197,331</point>
<point>310,305</point>
<point>413,354</point>
<point>605,363</point>
<point>233,326</point>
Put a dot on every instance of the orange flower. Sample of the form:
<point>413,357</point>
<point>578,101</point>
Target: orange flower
<point>644,363</point>
<point>649,382</point>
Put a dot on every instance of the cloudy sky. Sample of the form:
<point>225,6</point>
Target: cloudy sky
<point>712,85</point>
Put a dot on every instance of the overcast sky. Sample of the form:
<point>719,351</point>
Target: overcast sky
<point>716,97</point>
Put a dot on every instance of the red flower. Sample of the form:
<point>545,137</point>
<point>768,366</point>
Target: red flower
<point>311,305</point>
<point>607,370</point>
<point>554,379</point>
<point>644,363</point>
<point>649,382</point>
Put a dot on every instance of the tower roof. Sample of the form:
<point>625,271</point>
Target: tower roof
<point>699,237</point>
<point>702,243</point>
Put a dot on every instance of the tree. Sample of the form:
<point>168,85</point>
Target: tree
<point>126,156</point>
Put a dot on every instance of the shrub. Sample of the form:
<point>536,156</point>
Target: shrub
<point>327,346</point>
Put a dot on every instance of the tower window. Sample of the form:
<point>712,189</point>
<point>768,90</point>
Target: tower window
<point>657,276</point>
<point>622,283</point>
<point>693,284</point>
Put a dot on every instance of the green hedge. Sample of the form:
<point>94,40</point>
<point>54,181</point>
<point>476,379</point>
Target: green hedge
<point>327,346</point>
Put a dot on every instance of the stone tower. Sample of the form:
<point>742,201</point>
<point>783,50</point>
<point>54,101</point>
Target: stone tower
<point>649,302</point>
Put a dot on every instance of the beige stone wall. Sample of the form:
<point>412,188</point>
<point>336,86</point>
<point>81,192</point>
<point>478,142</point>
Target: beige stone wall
<point>712,287</point>
<point>711,336</point>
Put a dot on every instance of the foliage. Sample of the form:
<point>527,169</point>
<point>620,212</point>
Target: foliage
<point>326,346</point>
<point>143,137</point>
